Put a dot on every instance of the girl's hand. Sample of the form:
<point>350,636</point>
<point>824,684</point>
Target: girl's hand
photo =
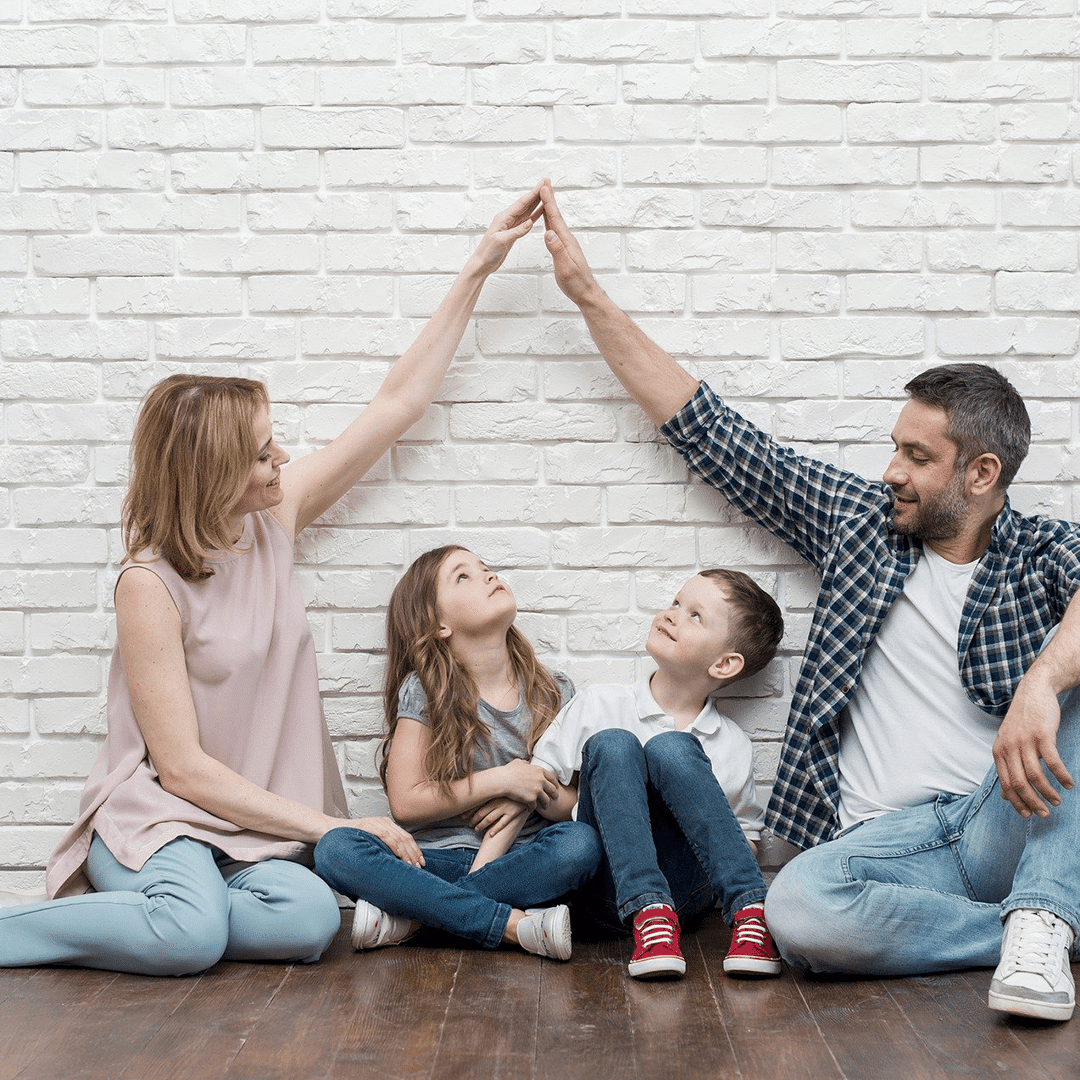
<point>507,228</point>
<point>494,816</point>
<point>528,784</point>
<point>391,834</point>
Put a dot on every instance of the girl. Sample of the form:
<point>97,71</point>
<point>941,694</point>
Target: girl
<point>217,772</point>
<point>465,701</point>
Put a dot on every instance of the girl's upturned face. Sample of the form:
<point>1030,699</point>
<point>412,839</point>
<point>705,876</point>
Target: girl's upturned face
<point>263,487</point>
<point>471,599</point>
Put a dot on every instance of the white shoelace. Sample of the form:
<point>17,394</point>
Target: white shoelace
<point>751,930</point>
<point>1036,941</point>
<point>656,930</point>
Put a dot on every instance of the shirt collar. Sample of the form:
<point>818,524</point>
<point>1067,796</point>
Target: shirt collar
<point>706,721</point>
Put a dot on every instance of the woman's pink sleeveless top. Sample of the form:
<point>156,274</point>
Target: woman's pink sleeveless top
<point>251,666</point>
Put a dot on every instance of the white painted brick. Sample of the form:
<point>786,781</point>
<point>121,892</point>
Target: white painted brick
<point>773,209</point>
<point>363,337</point>
<point>568,168</point>
<point>168,296</point>
<point>82,87</point>
<point>44,296</point>
<point>1020,163</point>
<point>499,548</point>
<point>794,166</point>
<point>625,123</point>
<point>248,255</point>
<point>319,381</point>
<point>830,420</point>
<point>919,292</point>
<point>488,504</point>
<point>570,590</point>
<point>9,87</point>
<point>520,9</point>
<point>1000,80</point>
<point>951,207</point>
<point>71,631</point>
<point>641,41</point>
<point>503,295</point>
<point>242,86</point>
<point>320,295</point>
<point>652,208</point>
<point>96,10</point>
<point>758,37</point>
<point>1043,379</point>
<point>920,37</point>
<point>1037,292</point>
<point>53,47</point>
<point>675,250</point>
<point>811,293</point>
<point>13,256</point>
<point>247,11</point>
<point>805,339</point>
<point>45,213</point>
<point>12,634</point>
<point>350,547</point>
<point>531,423</point>
<point>590,463</point>
<point>721,81</point>
<point>624,545</point>
<point>424,167</point>
<point>73,340</point>
<point>999,7</point>
<point>414,85</point>
<point>58,506</point>
<point>280,170</point>
<point>111,169</point>
<point>694,165</point>
<point>224,339</point>
<point>353,42</point>
<point>181,213</point>
<point>480,381</point>
<point>1040,121</point>
<point>1039,251</point>
<point>123,256</point>
<point>813,252</point>
<point>818,80</point>
<point>374,504</point>
<point>379,9</point>
<point>903,123</point>
<point>180,129</point>
<point>50,129</point>
<point>632,504</point>
<point>1043,37</point>
<point>477,124</point>
<point>474,44</point>
<point>303,212</point>
<point>134,43</point>
<point>426,464</point>
<point>287,127</point>
<point>35,422</point>
<point>14,716</point>
<point>994,337</point>
<point>771,124</point>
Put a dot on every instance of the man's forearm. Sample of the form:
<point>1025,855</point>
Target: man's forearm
<point>651,376</point>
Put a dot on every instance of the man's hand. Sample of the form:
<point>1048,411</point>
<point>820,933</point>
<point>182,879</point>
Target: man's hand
<point>1027,738</point>
<point>572,272</point>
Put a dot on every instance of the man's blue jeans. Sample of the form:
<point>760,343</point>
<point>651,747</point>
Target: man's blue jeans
<point>443,894</point>
<point>669,834</point>
<point>926,889</point>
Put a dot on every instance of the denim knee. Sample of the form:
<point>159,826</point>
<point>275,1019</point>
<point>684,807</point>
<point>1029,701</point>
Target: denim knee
<point>799,915</point>
<point>672,753</point>
<point>611,747</point>
<point>343,856</point>
<point>581,850</point>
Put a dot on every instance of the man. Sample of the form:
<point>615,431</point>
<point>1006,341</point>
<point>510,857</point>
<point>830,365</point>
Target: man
<point>928,680</point>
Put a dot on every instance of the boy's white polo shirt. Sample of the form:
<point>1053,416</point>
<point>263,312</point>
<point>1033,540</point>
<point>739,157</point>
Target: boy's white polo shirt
<point>634,709</point>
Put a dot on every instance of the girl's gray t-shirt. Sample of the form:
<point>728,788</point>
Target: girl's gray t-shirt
<point>509,740</point>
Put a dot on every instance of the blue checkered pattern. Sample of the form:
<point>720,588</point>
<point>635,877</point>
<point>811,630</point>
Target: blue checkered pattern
<point>840,523</point>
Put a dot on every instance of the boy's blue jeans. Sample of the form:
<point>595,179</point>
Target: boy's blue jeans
<point>669,834</point>
<point>443,894</point>
<point>926,889</point>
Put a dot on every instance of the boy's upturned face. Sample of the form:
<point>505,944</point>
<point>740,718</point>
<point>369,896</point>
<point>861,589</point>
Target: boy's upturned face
<point>693,631</point>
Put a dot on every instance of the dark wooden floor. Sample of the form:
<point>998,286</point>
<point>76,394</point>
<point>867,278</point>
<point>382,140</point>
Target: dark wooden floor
<point>444,1012</point>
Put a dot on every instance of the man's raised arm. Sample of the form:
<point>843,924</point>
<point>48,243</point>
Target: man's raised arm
<point>651,376</point>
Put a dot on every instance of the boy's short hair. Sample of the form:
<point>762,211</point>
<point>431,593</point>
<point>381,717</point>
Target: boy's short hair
<point>757,624</point>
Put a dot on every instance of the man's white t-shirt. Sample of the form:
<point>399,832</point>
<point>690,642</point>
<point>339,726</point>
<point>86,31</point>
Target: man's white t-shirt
<point>911,732</point>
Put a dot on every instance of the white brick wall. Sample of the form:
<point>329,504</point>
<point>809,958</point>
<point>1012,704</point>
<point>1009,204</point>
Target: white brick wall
<point>806,200</point>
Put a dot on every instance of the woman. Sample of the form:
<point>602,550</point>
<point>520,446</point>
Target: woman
<point>217,772</point>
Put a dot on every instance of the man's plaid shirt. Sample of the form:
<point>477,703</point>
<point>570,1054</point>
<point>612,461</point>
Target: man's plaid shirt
<point>841,523</point>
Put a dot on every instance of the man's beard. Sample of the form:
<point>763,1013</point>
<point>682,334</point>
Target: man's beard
<point>940,516</point>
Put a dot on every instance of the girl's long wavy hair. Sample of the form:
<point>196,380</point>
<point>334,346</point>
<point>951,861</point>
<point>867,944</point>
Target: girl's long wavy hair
<point>192,451</point>
<point>413,644</point>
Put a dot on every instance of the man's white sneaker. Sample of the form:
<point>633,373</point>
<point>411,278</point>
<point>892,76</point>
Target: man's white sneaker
<point>373,928</point>
<point>1033,977</point>
<point>546,932</point>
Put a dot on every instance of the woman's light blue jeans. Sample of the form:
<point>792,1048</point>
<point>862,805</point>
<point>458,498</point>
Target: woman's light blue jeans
<point>669,834</point>
<point>187,908</point>
<point>926,889</point>
<point>443,894</point>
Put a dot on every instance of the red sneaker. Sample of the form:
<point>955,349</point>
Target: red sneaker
<point>752,950</point>
<point>656,944</point>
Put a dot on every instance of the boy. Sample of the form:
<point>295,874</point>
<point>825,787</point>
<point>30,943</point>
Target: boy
<point>667,780</point>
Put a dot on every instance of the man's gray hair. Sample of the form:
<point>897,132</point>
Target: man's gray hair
<point>986,414</point>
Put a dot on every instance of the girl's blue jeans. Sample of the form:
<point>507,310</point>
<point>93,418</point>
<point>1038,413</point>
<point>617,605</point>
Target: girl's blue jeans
<point>187,908</point>
<point>926,889</point>
<point>443,894</point>
<point>669,834</point>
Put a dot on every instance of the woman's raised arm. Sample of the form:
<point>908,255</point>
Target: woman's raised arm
<point>312,484</point>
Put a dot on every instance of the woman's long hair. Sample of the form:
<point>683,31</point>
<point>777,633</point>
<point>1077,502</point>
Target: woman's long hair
<point>192,451</point>
<point>413,644</point>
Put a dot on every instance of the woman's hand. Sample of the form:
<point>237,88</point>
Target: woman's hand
<point>491,818</point>
<point>507,228</point>
<point>400,842</point>
<point>527,784</point>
